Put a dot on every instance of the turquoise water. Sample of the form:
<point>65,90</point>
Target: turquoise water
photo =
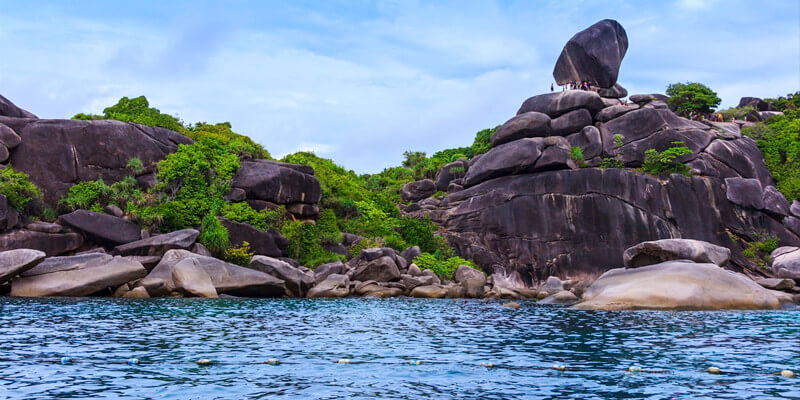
<point>451,337</point>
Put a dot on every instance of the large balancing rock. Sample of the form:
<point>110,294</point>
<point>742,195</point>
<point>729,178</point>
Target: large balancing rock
<point>593,54</point>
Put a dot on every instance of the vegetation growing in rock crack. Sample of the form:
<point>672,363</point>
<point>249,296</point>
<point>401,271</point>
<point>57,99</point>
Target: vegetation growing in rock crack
<point>667,161</point>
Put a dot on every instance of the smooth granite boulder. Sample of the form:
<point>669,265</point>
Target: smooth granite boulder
<point>267,243</point>
<point>429,292</point>
<point>276,182</point>
<point>776,283</point>
<point>102,228</point>
<point>323,271</point>
<point>609,113</point>
<point>51,244</point>
<point>774,201</point>
<point>46,227</point>
<point>654,252</point>
<point>67,263</point>
<point>450,172</point>
<point>79,282</point>
<point>15,262</point>
<point>334,285</point>
<point>593,54</point>
<point>529,124</point>
<point>227,278</point>
<point>415,191</point>
<point>296,281</point>
<point>614,92</point>
<point>57,154</point>
<point>755,102</point>
<point>464,272</point>
<point>191,279</point>
<point>382,269</point>
<point>506,159</point>
<point>571,122</point>
<point>160,244</point>
<point>745,192</point>
<point>588,139</point>
<point>561,298</point>
<point>559,103</point>
<point>473,288</point>
<point>9,109</point>
<point>785,262</point>
<point>678,285</point>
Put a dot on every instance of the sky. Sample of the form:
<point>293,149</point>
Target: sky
<point>361,82</point>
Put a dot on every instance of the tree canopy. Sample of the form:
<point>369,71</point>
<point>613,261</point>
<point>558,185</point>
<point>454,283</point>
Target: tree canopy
<point>692,97</point>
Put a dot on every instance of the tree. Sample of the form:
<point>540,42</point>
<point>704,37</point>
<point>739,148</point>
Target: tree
<point>692,97</point>
<point>413,158</point>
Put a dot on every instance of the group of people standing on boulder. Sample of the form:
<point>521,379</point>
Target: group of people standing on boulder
<point>575,85</point>
<point>715,117</point>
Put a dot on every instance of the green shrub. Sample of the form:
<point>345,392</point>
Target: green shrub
<point>576,153</point>
<point>779,140</point>
<point>214,235</point>
<point>88,195</point>
<point>656,163</point>
<point>737,113</point>
<point>239,255</point>
<point>443,268</point>
<point>18,188</point>
<point>610,162</point>
<point>759,248</point>
<point>135,165</point>
<point>306,244</point>
<point>238,144</point>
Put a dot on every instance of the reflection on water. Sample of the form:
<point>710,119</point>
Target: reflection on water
<point>452,337</point>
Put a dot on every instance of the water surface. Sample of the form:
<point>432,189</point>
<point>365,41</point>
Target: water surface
<point>451,337</point>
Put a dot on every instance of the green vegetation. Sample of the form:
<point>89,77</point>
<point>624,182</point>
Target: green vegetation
<point>779,140</point>
<point>656,163</point>
<point>759,249</point>
<point>616,161</point>
<point>738,113</point>
<point>137,110</point>
<point>691,97</point>
<point>18,188</point>
<point>214,235</point>
<point>240,255</point>
<point>576,153</point>
<point>443,268</point>
<point>423,167</point>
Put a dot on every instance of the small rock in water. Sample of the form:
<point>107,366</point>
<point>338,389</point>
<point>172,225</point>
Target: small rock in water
<point>512,304</point>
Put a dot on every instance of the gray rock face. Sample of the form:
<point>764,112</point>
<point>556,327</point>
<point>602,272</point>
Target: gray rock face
<point>67,263</point>
<point>9,217</point>
<point>573,222</point>
<point>474,288</point>
<point>227,278</point>
<point>615,92</point>
<point>429,292</point>
<point>529,124</point>
<point>159,245</point>
<point>795,208</point>
<point>520,156</point>
<point>102,228</point>
<point>411,253</point>
<point>593,54</point>
<point>334,285</point>
<point>382,269</point>
<point>15,262</point>
<point>562,298</point>
<point>279,183</point>
<point>571,122</point>
<point>774,202</point>
<point>51,244</point>
<point>450,172</point>
<point>609,113</point>
<point>79,282</point>
<point>558,103</point>
<point>648,253</point>
<point>9,109</point>
<point>745,192</point>
<point>190,278</point>
<point>267,243</point>
<point>642,99</point>
<point>588,139</point>
<point>415,191</point>
<point>323,271</point>
<point>755,102</point>
<point>79,151</point>
<point>296,281</point>
<point>464,272</point>
<point>776,283</point>
<point>677,285</point>
<point>46,227</point>
<point>786,262</point>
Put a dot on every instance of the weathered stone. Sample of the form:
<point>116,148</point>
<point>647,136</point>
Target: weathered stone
<point>525,125</point>
<point>349,239</point>
<point>774,201</point>
<point>429,292</point>
<point>295,280</point>
<point>9,109</point>
<point>303,210</point>
<point>410,282</point>
<point>556,155</point>
<point>609,113</point>
<point>46,227</point>
<point>614,92</point>
<point>227,278</point>
<point>558,103</point>
<point>190,278</point>
<point>67,263</point>
<point>382,269</point>
<point>646,98</point>
<point>776,283</point>
<point>588,139</point>
<point>793,224</point>
<point>430,274</point>
<point>593,54</point>
<point>745,192</point>
<point>152,285</point>
<point>277,182</point>
<point>51,244</point>
<point>511,304</point>
<point>658,251</point>
<point>506,159</point>
<point>455,291</point>
<point>755,102</point>
<point>474,287</point>
<point>552,286</point>
<point>236,195</point>
<point>120,291</point>
<point>450,172</point>
<point>411,253</point>
<point>159,245</point>
<point>323,271</point>
<point>15,262</point>
<point>267,243</point>
<point>742,157</point>
<point>198,248</point>
<point>137,293</point>
<point>334,285</point>
<point>80,281</point>
<point>373,289</point>
<point>571,122</point>
<point>414,270</point>
<point>677,285</point>
<point>148,262</point>
<point>111,209</point>
<point>464,272</point>
<point>146,181</point>
<point>786,262</point>
<point>563,297</point>
<point>8,215</point>
<point>415,191</point>
<point>102,228</point>
<point>795,208</point>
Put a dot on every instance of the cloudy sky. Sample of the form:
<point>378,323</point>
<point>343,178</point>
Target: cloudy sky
<point>363,81</point>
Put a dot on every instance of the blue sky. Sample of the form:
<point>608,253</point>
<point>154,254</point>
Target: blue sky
<point>360,82</point>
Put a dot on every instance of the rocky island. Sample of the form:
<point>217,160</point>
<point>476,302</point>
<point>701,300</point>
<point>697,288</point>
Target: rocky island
<point>562,205</point>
